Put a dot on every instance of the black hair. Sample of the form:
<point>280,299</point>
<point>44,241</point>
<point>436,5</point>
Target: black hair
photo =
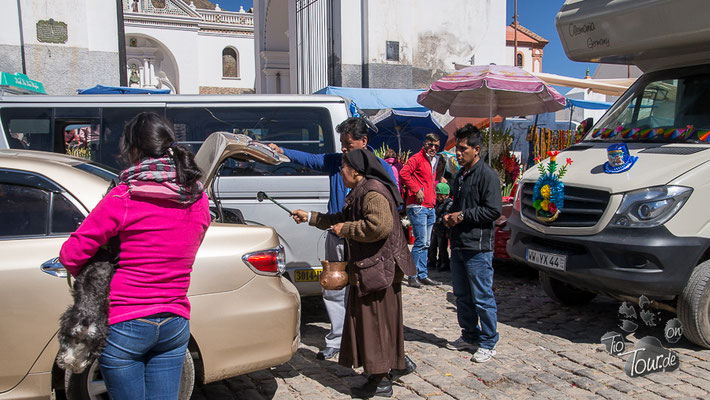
<point>431,137</point>
<point>354,126</point>
<point>150,135</point>
<point>471,134</point>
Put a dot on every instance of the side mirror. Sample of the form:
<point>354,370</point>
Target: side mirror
<point>588,123</point>
<point>54,268</point>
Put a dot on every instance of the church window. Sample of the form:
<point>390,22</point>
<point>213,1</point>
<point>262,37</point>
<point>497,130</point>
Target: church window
<point>392,51</point>
<point>230,63</point>
<point>519,60</point>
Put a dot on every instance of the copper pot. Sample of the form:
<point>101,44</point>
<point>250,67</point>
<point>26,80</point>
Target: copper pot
<point>334,276</point>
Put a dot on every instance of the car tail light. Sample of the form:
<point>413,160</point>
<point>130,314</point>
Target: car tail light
<point>516,202</point>
<point>266,262</point>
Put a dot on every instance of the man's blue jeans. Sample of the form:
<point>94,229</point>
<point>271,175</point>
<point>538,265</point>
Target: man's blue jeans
<point>143,358</point>
<point>472,280</point>
<point>422,219</point>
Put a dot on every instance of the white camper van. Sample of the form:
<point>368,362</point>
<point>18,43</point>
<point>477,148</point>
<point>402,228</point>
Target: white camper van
<point>90,126</point>
<point>632,216</point>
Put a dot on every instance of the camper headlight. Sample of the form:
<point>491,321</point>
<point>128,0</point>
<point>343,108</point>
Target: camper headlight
<point>650,207</point>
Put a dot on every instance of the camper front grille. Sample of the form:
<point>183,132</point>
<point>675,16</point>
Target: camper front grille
<point>582,207</point>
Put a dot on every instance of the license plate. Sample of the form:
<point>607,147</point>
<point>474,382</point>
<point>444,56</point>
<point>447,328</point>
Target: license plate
<point>550,260</point>
<point>307,275</point>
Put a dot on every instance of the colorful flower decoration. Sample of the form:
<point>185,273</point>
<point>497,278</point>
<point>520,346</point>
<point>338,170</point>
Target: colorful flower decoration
<point>549,191</point>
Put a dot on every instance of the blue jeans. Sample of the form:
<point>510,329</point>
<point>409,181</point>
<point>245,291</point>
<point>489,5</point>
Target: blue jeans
<point>143,358</point>
<point>472,280</point>
<point>422,219</point>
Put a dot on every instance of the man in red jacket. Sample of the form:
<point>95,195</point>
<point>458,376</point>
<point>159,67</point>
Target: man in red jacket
<point>417,175</point>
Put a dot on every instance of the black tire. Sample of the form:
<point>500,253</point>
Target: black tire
<point>694,306</point>
<point>89,385</point>
<point>563,293</point>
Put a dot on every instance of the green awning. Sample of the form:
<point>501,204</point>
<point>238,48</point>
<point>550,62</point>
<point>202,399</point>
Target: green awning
<point>19,84</point>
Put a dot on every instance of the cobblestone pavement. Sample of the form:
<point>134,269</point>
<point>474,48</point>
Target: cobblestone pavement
<point>546,351</point>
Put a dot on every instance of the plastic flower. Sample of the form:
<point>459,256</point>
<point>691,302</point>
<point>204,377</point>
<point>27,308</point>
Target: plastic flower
<point>553,155</point>
<point>545,192</point>
<point>552,208</point>
<point>569,161</point>
<point>545,205</point>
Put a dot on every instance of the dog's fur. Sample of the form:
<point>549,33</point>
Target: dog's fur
<point>83,328</point>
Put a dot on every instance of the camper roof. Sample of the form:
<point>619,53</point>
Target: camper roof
<point>652,34</point>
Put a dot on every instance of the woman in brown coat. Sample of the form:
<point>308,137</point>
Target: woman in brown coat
<point>373,336</point>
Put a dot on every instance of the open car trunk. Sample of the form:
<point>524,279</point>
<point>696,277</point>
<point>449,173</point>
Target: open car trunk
<point>220,146</point>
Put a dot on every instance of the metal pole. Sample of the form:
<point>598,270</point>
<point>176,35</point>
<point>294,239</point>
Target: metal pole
<point>490,128</point>
<point>571,110</point>
<point>515,34</point>
<point>122,62</point>
<point>22,38</point>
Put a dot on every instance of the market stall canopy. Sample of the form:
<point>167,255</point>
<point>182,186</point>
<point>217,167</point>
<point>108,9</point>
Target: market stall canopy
<point>375,99</point>
<point>609,86</point>
<point>588,104</point>
<point>100,89</point>
<point>612,87</point>
<point>19,84</point>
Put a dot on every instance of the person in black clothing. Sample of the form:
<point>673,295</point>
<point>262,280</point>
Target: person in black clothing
<point>439,235</point>
<point>477,204</point>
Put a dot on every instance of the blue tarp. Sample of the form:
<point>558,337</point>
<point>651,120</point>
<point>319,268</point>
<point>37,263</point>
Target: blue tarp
<point>588,104</point>
<point>100,89</point>
<point>370,98</point>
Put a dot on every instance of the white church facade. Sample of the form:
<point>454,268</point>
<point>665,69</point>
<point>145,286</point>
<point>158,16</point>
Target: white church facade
<point>177,45</point>
<point>304,45</point>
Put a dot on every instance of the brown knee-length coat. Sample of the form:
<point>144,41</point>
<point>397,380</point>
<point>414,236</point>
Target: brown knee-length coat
<point>378,258</point>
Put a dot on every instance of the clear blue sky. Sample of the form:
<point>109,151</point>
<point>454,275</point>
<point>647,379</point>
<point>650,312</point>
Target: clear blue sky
<point>539,17</point>
<point>232,5</point>
<point>536,15</point>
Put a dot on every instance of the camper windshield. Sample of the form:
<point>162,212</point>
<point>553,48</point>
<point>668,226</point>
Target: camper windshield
<point>664,110</point>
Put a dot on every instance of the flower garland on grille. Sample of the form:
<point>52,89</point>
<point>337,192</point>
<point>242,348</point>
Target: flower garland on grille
<point>549,191</point>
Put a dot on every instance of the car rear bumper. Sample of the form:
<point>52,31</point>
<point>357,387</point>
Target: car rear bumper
<point>257,327</point>
<point>651,262</point>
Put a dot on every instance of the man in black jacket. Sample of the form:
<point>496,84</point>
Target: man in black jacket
<point>477,204</point>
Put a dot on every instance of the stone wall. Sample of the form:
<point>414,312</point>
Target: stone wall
<point>224,90</point>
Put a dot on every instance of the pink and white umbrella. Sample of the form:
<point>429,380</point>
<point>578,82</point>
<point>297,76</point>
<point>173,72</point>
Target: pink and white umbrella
<point>488,90</point>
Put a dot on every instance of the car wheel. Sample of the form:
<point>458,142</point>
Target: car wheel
<point>90,385</point>
<point>563,293</point>
<point>694,306</point>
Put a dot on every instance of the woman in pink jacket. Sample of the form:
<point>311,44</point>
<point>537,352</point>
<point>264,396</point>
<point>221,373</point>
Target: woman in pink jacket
<point>160,214</point>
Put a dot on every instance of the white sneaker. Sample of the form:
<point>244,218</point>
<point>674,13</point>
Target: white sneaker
<point>482,355</point>
<point>461,344</point>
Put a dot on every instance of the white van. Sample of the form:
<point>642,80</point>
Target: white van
<point>91,125</point>
<point>643,228</point>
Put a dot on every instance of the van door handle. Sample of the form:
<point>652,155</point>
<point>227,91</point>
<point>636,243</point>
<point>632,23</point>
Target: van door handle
<point>54,268</point>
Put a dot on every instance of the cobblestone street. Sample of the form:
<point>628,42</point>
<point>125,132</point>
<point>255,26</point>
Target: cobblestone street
<point>545,351</point>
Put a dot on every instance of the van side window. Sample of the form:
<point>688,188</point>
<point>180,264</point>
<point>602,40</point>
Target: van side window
<point>28,128</point>
<point>112,122</point>
<point>307,129</point>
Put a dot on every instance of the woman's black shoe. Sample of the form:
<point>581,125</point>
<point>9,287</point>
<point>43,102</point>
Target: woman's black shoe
<point>409,367</point>
<point>375,386</point>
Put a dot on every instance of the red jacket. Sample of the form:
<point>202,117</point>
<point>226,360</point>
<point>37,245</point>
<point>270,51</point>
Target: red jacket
<point>416,174</point>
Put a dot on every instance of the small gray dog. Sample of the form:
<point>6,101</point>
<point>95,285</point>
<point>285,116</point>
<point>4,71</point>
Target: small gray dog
<point>83,328</point>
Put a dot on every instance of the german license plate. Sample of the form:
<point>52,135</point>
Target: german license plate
<point>550,260</point>
<point>307,275</point>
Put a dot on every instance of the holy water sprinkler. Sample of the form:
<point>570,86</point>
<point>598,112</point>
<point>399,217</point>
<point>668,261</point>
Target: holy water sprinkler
<point>261,196</point>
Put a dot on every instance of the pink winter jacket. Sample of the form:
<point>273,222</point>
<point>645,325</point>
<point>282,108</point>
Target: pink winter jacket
<point>159,240</point>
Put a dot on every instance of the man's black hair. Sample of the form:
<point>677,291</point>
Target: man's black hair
<point>471,134</point>
<point>354,126</point>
